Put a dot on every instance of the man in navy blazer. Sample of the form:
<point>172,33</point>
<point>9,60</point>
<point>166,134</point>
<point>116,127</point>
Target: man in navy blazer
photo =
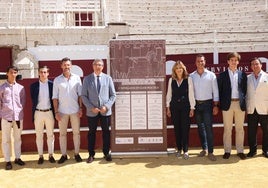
<point>43,112</point>
<point>232,85</point>
<point>98,95</point>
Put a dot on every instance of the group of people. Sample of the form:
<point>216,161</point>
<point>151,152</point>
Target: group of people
<point>62,100</point>
<point>202,94</point>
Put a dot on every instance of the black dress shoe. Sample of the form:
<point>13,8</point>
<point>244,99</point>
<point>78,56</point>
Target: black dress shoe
<point>241,156</point>
<point>51,159</point>
<point>251,154</point>
<point>40,160</point>
<point>265,154</point>
<point>90,159</point>
<point>19,162</point>
<point>78,158</point>
<point>63,159</point>
<point>8,166</point>
<point>226,155</point>
<point>108,157</point>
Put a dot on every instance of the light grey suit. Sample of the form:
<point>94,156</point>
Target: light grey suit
<point>91,98</point>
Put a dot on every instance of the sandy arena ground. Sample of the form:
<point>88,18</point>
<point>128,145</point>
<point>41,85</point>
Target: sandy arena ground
<point>149,172</point>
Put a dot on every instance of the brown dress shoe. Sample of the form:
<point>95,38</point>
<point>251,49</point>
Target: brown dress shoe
<point>212,157</point>
<point>242,156</point>
<point>202,153</point>
<point>90,159</point>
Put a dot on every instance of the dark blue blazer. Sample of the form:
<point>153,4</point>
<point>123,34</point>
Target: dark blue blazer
<point>225,90</point>
<point>34,89</point>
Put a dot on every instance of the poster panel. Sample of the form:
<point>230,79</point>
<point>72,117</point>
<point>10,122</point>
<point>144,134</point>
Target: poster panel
<point>139,120</point>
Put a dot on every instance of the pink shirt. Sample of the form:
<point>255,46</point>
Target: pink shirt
<point>12,101</point>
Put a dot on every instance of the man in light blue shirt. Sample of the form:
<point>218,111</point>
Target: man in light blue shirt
<point>67,104</point>
<point>207,98</point>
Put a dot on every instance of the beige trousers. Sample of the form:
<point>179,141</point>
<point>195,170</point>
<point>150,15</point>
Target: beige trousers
<point>42,120</point>
<point>237,116</point>
<point>6,138</point>
<point>63,125</point>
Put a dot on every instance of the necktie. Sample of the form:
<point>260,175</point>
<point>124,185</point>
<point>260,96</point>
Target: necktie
<point>98,84</point>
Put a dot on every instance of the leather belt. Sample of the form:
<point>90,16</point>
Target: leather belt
<point>203,101</point>
<point>234,99</point>
<point>45,110</point>
<point>17,122</point>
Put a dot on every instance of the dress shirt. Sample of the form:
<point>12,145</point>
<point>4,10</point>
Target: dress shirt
<point>12,101</point>
<point>234,83</point>
<point>256,81</point>
<point>43,97</point>
<point>205,86</point>
<point>67,92</point>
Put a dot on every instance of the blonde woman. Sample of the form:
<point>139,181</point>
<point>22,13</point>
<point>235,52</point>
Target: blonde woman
<point>180,104</point>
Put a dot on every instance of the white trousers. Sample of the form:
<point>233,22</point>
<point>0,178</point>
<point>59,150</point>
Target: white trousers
<point>63,125</point>
<point>236,115</point>
<point>6,138</point>
<point>44,120</point>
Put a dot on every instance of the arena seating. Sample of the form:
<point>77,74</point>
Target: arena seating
<point>187,25</point>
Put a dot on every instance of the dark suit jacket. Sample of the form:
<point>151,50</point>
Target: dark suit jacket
<point>34,89</point>
<point>225,90</point>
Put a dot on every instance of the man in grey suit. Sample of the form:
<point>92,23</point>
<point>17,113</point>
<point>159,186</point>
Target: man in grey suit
<point>98,95</point>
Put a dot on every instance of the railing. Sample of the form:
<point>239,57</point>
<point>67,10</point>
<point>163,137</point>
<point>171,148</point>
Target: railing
<point>70,5</point>
<point>49,13</point>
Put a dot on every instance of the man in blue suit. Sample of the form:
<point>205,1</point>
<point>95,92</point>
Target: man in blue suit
<point>232,85</point>
<point>98,95</point>
<point>43,113</point>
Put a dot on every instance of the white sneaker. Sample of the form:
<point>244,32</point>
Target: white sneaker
<point>186,156</point>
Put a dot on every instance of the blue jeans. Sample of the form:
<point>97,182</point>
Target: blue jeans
<point>203,116</point>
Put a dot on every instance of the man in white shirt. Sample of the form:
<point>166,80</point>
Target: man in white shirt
<point>232,85</point>
<point>68,106</point>
<point>43,113</point>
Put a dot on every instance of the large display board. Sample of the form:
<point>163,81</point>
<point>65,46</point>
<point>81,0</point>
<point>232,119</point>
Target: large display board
<point>139,120</point>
